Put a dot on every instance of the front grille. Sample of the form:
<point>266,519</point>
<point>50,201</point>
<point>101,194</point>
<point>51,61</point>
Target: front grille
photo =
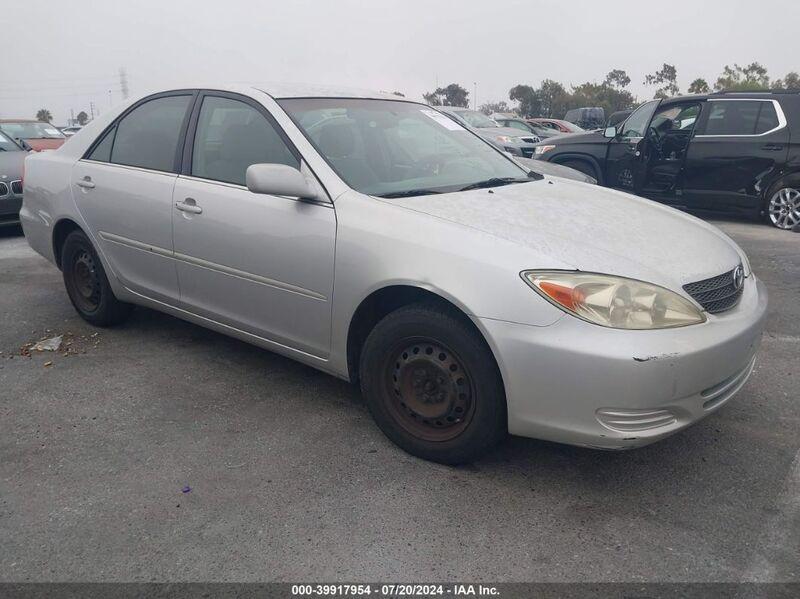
<point>716,294</point>
<point>3,189</point>
<point>530,140</point>
<point>526,152</point>
<point>16,187</point>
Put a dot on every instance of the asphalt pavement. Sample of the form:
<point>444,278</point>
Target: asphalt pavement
<point>163,451</point>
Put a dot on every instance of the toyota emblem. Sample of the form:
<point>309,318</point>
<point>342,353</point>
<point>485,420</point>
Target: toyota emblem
<point>738,277</point>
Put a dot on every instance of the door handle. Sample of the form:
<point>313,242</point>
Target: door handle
<point>86,182</point>
<point>772,147</point>
<point>189,205</point>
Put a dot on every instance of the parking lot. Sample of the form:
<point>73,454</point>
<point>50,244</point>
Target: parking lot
<point>163,451</point>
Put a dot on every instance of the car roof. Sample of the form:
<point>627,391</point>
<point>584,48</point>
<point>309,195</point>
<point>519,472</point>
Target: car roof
<point>734,94</point>
<point>295,90</point>
<point>21,121</point>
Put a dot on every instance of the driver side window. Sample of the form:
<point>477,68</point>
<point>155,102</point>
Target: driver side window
<point>636,125</point>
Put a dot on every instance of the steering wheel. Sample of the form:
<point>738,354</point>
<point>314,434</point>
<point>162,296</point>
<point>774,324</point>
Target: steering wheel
<point>658,139</point>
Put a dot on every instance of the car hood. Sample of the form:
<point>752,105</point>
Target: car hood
<point>578,138</point>
<point>11,165</point>
<point>37,145</point>
<point>554,170</point>
<point>575,226</point>
<point>509,131</point>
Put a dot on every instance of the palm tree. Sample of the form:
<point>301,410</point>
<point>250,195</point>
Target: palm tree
<point>44,115</point>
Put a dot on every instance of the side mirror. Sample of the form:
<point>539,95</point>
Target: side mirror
<point>278,180</point>
<point>610,132</point>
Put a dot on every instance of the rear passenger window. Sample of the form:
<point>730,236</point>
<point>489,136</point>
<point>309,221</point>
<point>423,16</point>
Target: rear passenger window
<point>741,117</point>
<point>148,136</point>
<point>102,151</point>
<point>232,135</point>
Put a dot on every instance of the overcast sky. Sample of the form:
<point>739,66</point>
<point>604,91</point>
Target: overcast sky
<point>63,55</point>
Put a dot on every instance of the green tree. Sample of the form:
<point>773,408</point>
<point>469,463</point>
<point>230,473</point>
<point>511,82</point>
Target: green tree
<point>553,99</point>
<point>699,86</point>
<point>667,80</point>
<point>791,81</point>
<point>751,77</point>
<point>82,118</point>
<point>452,95</point>
<point>44,115</point>
<point>599,94</point>
<point>492,107</point>
<point>527,100</point>
<point>618,78</point>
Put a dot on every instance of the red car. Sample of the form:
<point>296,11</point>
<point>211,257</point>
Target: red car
<point>33,135</point>
<point>558,125</point>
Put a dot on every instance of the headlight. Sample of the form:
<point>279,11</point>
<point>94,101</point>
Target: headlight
<point>505,139</point>
<point>614,302</point>
<point>542,149</point>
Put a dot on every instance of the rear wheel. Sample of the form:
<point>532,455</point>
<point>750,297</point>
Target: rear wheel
<point>782,207</point>
<point>87,284</point>
<point>583,167</point>
<point>432,385</point>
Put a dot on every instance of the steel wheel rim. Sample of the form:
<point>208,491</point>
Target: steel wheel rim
<point>784,208</point>
<point>86,281</point>
<point>430,393</point>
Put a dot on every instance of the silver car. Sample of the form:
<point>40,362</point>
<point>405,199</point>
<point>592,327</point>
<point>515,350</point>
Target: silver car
<point>513,141</point>
<point>375,239</point>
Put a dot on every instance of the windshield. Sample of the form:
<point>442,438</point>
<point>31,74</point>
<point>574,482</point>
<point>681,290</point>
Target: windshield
<point>6,145</point>
<point>389,148</point>
<point>31,130</point>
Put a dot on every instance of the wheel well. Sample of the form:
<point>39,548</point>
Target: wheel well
<point>380,303</point>
<point>63,228</point>
<point>591,162</point>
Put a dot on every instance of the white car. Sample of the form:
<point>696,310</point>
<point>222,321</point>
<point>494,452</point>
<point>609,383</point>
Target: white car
<point>376,239</point>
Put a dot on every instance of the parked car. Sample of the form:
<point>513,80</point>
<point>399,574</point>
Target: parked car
<point>509,139</point>
<point>71,130</point>
<point>471,299</point>
<point>587,118</point>
<point>33,135</point>
<point>518,123</point>
<point>557,125</point>
<point>12,157</point>
<point>723,152</point>
<point>618,117</point>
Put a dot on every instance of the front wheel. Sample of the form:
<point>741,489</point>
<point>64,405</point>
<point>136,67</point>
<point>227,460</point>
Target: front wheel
<point>583,167</point>
<point>432,385</point>
<point>783,207</point>
<point>87,284</point>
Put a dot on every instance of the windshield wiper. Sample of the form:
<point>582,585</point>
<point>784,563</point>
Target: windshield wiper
<point>494,182</point>
<point>408,193</point>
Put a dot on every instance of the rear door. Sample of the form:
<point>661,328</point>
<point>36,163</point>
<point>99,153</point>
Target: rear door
<point>260,263</point>
<point>740,144</point>
<point>123,189</point>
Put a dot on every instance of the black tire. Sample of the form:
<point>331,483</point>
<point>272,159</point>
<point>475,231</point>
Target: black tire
<point>583,167</point>
<point>87,285</point>
<point>432,385</point>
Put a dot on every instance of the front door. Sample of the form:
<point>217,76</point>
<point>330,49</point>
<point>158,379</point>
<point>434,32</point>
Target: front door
<point>123,189</point>
<point>626,153</point>
<point>739,147</point>
<point>260,263</point>
<point>667,140</point>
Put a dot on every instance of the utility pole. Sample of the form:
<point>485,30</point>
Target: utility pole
<point>110,100</point>
<point>91,109</point>
<point>475,96</point>
<point>123,82</point>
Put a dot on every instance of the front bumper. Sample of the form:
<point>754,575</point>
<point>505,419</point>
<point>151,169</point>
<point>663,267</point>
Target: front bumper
<point>9,209</point>
<point>583,384</point>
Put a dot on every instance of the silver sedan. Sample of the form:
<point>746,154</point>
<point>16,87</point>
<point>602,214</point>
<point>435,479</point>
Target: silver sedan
<point>376,239</point>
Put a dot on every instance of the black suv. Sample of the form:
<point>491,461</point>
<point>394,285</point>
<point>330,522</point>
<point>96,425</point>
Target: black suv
<point>729,151</point>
